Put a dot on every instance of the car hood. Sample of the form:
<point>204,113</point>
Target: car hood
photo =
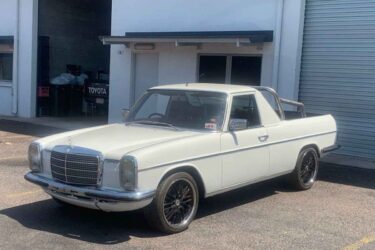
<point>115,140</point>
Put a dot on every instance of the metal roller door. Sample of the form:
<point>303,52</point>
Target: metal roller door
<point>338,69</point>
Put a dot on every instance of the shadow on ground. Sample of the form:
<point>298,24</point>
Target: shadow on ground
<point>28,128</point>
<point>113,228</point>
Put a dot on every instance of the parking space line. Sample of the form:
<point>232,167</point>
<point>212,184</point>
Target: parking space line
<point>357,245</point>
<point>16,137</point>
<point>23,193</point>
<point>11,158</point>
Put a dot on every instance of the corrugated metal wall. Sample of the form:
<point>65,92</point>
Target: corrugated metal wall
<point>338,69</point>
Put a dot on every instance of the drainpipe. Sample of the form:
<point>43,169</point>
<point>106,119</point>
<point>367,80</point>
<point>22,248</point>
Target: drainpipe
<point>278,34</point>
<point>15,61</point>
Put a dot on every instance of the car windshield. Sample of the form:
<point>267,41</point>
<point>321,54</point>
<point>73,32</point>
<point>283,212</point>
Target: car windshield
<point>184,109</point>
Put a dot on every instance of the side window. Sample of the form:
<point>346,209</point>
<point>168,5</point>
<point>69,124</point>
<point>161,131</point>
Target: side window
<point>244,107</point>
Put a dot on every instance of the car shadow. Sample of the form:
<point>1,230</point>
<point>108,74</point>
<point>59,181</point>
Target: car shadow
<point>113,228</point>
<point>80,223</point>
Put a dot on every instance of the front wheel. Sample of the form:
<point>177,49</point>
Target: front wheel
<point>304,175</point>
<point>175,203</point>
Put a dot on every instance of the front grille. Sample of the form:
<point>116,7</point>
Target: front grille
<point>73,168</point>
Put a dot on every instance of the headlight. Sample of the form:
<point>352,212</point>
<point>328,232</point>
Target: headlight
<point>128,173</point>
<point>35,157</point>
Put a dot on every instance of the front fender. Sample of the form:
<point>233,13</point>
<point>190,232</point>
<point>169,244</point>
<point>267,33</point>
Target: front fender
<point>200,153</point>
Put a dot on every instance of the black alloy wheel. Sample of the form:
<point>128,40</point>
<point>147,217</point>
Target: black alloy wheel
<point>179,202</point>
<point>175,203</point>
<point>306,171</point>
<point>308,168</point>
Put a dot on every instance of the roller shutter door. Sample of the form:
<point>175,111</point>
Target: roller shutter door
<point>338,69</point>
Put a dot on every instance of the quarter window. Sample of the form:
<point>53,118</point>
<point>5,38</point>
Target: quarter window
<point>244,107</point>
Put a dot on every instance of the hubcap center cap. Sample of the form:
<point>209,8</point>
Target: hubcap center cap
<point>177,203</point>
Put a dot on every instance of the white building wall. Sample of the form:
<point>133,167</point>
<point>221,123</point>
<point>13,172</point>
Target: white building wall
<point>179,64</point>
<point>175,64</point>
<point>27,66</point>
<point>291,48</point>
<point>20,101</point>
<point>7,27</point>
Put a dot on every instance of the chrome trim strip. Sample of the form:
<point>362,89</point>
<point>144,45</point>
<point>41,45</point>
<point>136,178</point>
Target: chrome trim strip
<point>244,184</point>
<point>235,150</point>
<point>74,161</point>
<point>73,169</point>
<point>101,194</point>
<point>78,177</point>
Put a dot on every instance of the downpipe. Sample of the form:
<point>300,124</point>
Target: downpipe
<point>277,45</point>
<point>15,61</point>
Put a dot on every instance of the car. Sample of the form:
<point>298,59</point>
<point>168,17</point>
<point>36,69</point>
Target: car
<point>180,143</point>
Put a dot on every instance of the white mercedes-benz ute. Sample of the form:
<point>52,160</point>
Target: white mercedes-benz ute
<point>180,143</point>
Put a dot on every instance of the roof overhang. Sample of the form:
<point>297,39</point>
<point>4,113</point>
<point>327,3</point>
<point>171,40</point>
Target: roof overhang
<point>191,37</point>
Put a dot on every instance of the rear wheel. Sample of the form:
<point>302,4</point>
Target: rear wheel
<point>306,170</point>
<point>175,203</point>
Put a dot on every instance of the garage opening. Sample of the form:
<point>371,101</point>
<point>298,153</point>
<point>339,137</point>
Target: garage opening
<point>243,70</point>
<point>73,65</point>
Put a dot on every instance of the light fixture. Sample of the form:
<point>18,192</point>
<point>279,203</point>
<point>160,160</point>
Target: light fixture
<point>144,46</point>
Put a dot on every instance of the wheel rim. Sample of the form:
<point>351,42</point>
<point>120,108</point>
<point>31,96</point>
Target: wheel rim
<point>308,168</point>
<point>179,203</point>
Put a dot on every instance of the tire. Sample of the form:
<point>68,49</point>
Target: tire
<point>175,204</point>
<point>304,175</point>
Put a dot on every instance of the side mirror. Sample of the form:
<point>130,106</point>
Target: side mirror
<point>125,113</point>
<point>237,124</point>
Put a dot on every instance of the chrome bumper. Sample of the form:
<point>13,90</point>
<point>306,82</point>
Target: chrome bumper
<point>330,149</point>
<point>103,195</point>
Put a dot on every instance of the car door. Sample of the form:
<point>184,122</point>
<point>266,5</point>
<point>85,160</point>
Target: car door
<point>245,154</point>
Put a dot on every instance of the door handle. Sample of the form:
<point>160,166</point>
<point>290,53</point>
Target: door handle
<point>263,138</point>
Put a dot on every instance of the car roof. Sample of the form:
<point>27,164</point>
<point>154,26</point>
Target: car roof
<point>224,88</point>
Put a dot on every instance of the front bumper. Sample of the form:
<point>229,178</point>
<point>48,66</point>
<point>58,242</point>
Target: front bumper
<point>96,198</point>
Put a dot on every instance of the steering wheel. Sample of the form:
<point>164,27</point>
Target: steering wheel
<point>157,115</point>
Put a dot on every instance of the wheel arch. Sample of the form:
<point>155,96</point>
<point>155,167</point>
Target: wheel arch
<point>190,169</point>
<point>312,145</point>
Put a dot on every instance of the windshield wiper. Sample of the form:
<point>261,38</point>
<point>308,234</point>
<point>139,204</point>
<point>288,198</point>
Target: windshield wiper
<point>156,123</point>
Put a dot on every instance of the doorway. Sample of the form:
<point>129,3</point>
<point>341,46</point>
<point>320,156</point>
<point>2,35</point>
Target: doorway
<point>230,69</point>
<point>73,65</point>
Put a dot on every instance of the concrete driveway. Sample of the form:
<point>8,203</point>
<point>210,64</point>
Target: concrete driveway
<point>337,213</point>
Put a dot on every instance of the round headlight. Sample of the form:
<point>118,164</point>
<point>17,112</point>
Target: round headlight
<point>35,157</point>
<point>128,173</point>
